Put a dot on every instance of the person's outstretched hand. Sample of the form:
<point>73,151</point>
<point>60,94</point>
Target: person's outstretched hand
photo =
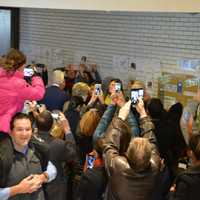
<point>64,123</point>
<point>118,98</point>
<point>140,108</point>
<point>32,105</point>
<point>93,98</point>
<point>101,97</point>
<point>124,111</point>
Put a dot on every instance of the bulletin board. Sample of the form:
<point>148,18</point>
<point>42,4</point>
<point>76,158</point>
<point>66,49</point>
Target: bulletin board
<point>133,68</point>
<point>174,88</point>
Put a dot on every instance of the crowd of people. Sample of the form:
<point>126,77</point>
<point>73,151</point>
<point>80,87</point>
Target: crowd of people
<point>83,138</point>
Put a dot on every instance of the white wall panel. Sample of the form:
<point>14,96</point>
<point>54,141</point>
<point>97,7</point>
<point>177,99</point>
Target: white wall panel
<point>163,36</point>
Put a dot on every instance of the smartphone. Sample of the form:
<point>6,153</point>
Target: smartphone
<point>135,94</point>
<point>117,87</point>
<point>97,89</point>
<point>90,161</point>
<point>84,59</point>
<point>141,93</point>
<point>55,116</point>
<point>39,65</point>
<point>28,72</point>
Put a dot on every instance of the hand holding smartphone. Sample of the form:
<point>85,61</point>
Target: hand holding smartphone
<point>136,94</point>
<point>28,71</point>
<point>97,89</point>
<point>90,161</point>
<point>55,116</point>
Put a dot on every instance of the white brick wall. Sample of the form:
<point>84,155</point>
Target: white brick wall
<point>163,36</point>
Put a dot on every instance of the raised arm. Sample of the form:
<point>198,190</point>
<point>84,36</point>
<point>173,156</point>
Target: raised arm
<point>117,138</point>
<point>69,151</point>
<point>146,125</point>
<point>133,124</point>
<point>32,92</point>
<point>104,122</point>
<point>147,131</point>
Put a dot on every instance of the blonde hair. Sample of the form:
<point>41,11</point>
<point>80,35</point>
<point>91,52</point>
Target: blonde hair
<point>89,122</point>
<point>57,131</point>
<point>137,84</point>
<point>13,60</point>
<point>139,153</point>
<point>80,89</point>
<point>58,77</point>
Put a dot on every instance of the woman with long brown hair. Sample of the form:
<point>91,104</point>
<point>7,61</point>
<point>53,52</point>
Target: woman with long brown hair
<point>84,135</point>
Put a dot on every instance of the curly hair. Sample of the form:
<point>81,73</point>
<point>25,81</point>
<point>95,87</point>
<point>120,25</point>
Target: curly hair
<point>13,60</point>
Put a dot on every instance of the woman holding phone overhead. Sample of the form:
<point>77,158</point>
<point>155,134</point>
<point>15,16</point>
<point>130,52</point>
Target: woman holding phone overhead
<point>14,89</point>
<point>115,85</point>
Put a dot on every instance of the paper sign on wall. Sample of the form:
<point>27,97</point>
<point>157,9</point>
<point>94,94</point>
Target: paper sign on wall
<point>132,68</point>
<point>189,64</point>
<point>170,88</point>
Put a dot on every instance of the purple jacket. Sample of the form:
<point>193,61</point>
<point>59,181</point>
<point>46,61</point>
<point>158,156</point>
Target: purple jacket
<point>14,90</point>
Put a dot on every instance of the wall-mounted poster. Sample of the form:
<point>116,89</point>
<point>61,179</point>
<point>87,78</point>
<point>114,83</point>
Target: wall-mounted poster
<point>133,68</point>
<point>177,88</point>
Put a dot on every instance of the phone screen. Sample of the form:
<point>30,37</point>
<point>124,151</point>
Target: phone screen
<point>28,72</point>
<point>141,93</point>
<point>97,89</point>
<point>135,94</point>
<point>90,161</point>
<point>117,87</point>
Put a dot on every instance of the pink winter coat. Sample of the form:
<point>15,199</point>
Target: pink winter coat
<point>14,90</point>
